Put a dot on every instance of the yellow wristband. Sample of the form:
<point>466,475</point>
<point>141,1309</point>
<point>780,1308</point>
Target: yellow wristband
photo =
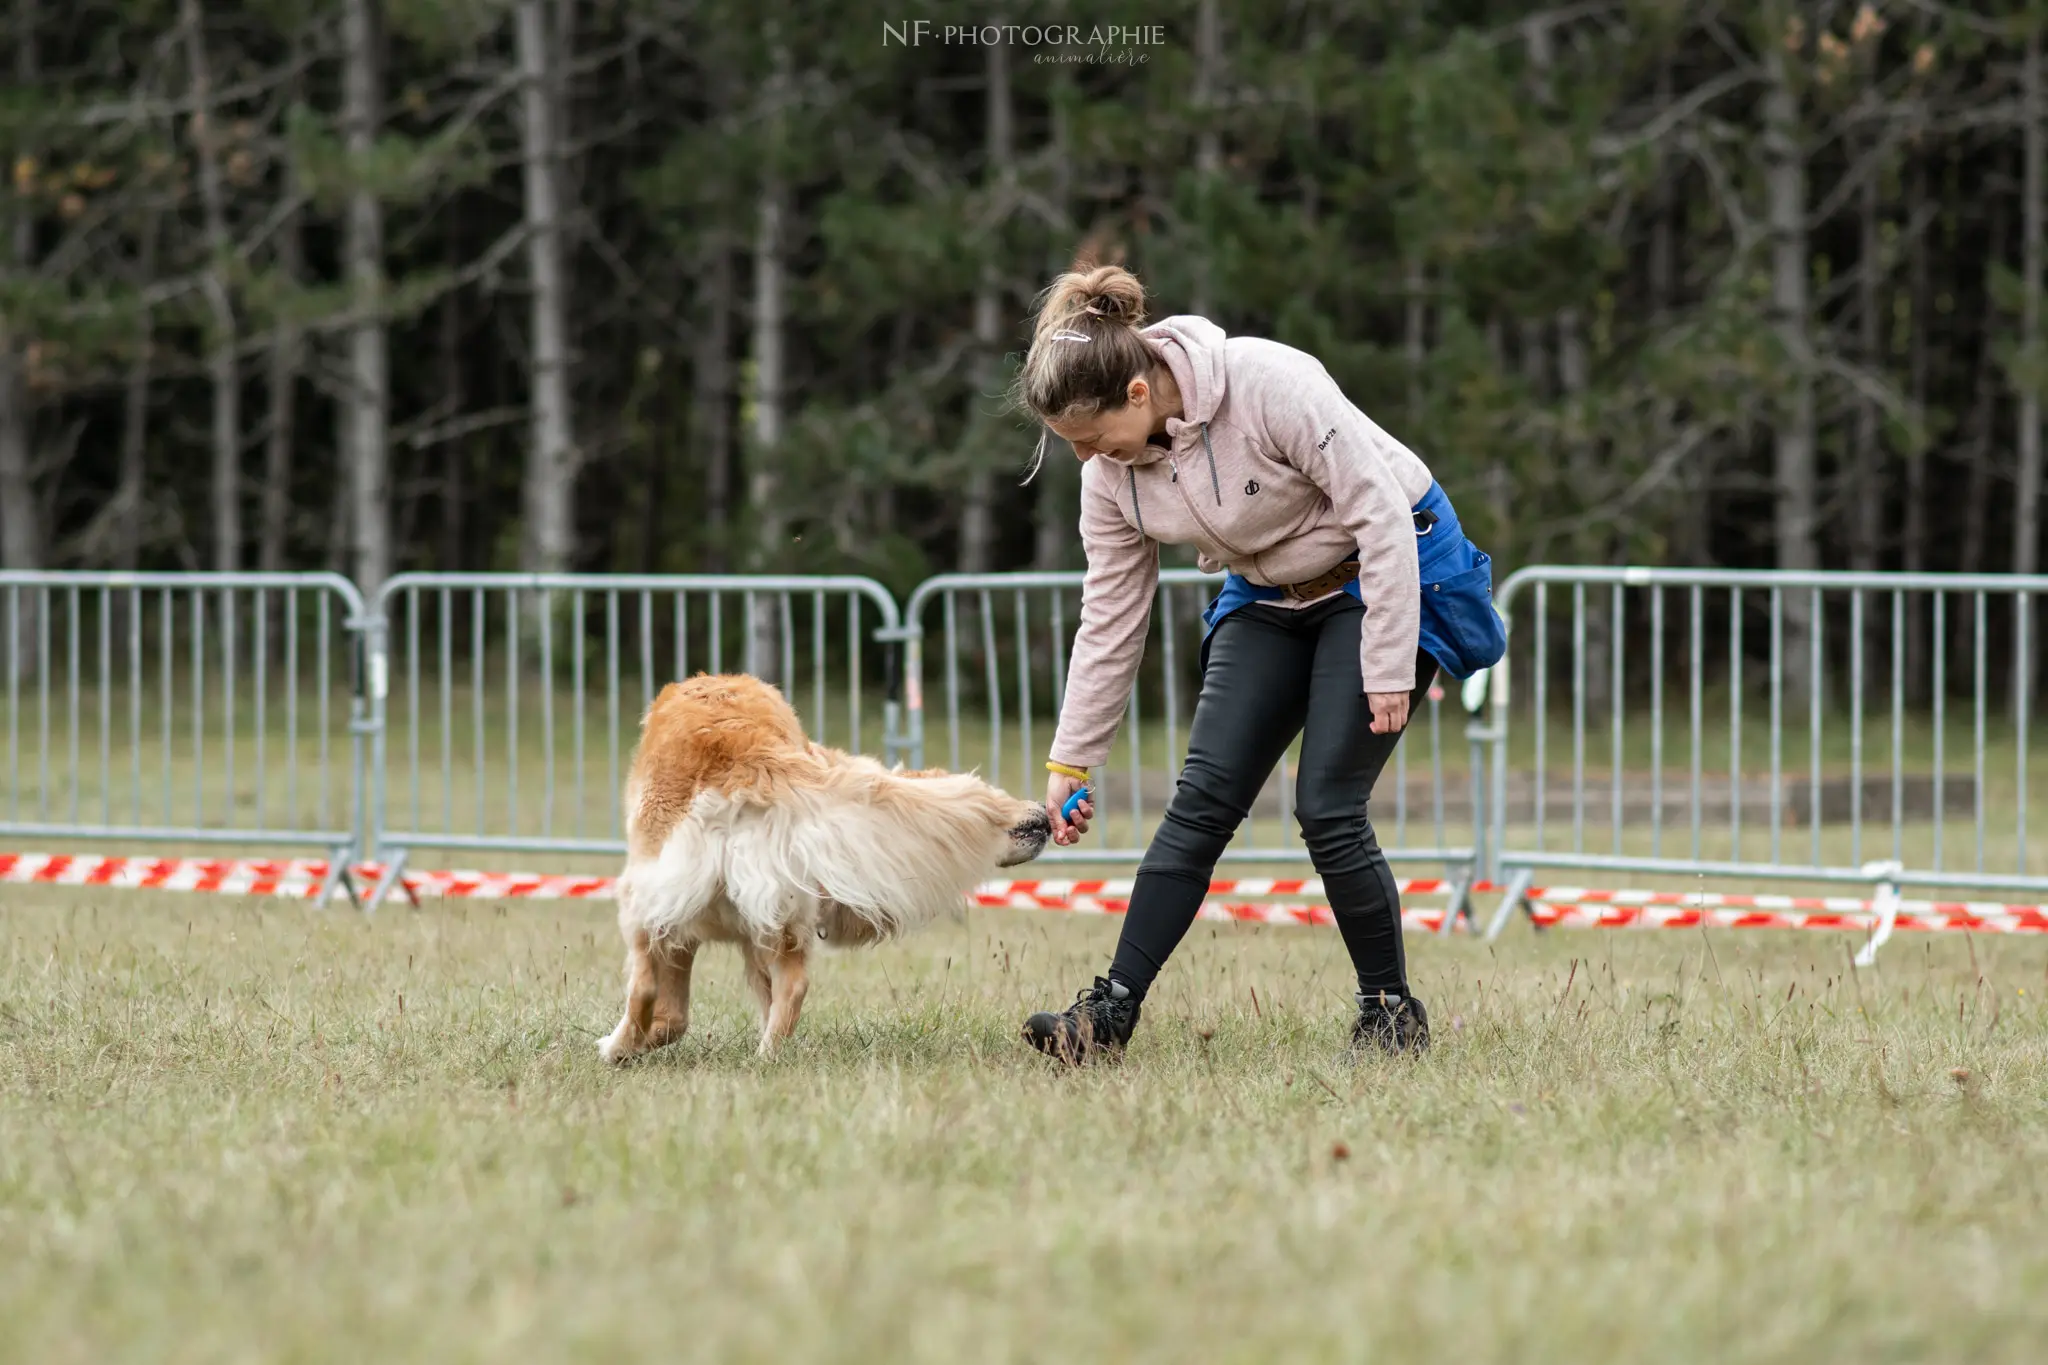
<point>1066,770</point>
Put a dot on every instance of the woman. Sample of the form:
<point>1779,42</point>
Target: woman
<point>1350,585</point>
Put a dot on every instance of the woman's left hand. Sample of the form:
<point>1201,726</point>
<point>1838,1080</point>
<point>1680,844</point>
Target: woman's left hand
<point>1389,712</point>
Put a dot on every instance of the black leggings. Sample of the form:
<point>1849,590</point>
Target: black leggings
<point>1274,673</point>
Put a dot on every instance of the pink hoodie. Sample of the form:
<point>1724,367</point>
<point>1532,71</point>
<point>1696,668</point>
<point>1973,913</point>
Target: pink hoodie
<point>1273,474</point>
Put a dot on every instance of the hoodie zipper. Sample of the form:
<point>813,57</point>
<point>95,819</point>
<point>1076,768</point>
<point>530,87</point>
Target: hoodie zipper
<point>1189,502</point>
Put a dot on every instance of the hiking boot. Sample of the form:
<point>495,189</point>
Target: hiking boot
<point>1100,1020</point>
<point>1393,1023</point>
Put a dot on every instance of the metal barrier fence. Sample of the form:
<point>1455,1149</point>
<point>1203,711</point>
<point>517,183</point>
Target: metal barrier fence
<point>1870,729</point>
<point>1777,775</point>
<point>221,709</point>
<point>507,705</point>
<point>999,646</point>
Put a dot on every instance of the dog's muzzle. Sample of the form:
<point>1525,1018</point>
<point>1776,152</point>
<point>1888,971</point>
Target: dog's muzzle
<point>1028,837</point>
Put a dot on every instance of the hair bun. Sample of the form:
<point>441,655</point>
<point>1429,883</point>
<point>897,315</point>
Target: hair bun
<point>1109,292</point>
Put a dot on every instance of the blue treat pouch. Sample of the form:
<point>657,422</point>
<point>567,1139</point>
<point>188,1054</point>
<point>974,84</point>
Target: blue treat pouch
<point>1460,628</point>
<point>1067,809</point>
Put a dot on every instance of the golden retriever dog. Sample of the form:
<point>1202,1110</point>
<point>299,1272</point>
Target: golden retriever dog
<point>740,830</point>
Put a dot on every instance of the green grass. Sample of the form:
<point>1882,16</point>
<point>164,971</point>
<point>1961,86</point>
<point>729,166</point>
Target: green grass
<point>250,1132</point>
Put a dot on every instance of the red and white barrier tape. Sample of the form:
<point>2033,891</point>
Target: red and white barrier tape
<point>2014,919</point>
<point>299,878</point>
<point>302,878</point>
<point>1059,890</point>
<point>1560,907</point>
<point>1717,900</point>
<point>1050,894</point>
<point>1242,912</point>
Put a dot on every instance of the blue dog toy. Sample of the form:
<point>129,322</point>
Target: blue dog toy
<point>1067,810</point>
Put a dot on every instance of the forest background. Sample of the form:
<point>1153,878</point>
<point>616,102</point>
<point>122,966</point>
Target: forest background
<point>695,285</point>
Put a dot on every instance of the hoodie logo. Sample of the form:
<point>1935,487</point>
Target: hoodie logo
<point>1328,437</point>
<point>1251,487</point>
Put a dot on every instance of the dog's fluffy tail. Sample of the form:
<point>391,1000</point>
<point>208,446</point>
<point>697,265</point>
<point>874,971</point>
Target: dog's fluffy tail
<point>842,845</point>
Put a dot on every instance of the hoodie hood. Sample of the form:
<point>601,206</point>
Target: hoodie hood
<point>1191,347</point>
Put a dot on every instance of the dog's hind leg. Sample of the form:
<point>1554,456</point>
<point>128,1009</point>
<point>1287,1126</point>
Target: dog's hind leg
<point>659,904</point>
<point>657,996</point>
<point>788,983</point>
<point>637,1023</point>
<point>673,961</point>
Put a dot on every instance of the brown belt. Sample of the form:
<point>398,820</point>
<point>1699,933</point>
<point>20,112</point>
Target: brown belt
<point>1322,584</point>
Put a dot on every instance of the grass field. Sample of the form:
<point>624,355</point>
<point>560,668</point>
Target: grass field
<point>246,1131</point>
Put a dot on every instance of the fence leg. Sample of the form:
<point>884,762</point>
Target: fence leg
<point>1515,897</point>
<point>1459,907</point>
<point>393,873</point>
<point>1886,903</point>
<point>338,860</point>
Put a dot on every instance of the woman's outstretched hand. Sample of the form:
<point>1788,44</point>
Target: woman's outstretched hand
<point>1058,787</point>
<point>1389,712</point>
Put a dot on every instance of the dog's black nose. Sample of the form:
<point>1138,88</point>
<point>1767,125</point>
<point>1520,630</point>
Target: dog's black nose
<point>1028,837</point>
<point>1035,826</point>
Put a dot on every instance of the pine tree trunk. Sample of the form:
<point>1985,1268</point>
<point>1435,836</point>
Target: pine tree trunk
<point>977,504</point>
<point>1866,493</point>
<point>1311,193</point>
<point>711,401</point>
<point>1663,262</point>
<point>1793,456</point>
<point>340,542</point>
<point>2026,547</point>
<point>1914,533</point>
<point>764,483</point>
<point>128,487</point>
<point>1500,475</point>
<point>1977,486</point>
<point>1574,376</point>
<point>550,465</point>
<point>1694,485</point>
<point>125,512</point>
<point>1415,340</point>
<point>287,356</point>
<point>1059,508</point>
<point>1535,343</point>
<point>977,511</point>
<point>1056,514</point>
<point>1977,446</point>
<point>21,528</point>
<point>455,470</point>
<point>1867,488</point>
<point>366,415</point>
<point>222,368</point>
<point>21,544</point>
<point>1208,146</point>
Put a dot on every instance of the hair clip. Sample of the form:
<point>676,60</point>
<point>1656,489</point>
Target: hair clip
<point>1068,334</point>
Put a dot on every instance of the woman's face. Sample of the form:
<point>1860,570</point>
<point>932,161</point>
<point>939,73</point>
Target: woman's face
<point>1118,432</point>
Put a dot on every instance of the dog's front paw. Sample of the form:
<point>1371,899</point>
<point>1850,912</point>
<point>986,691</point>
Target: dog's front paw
<point>613,1048</point>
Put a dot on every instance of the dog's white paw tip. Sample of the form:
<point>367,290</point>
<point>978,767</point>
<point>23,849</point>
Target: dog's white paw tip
<point>608,1049</point>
